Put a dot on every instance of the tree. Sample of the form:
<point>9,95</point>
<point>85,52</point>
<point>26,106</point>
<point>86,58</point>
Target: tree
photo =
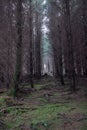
<point>18,48</point>
<point>38,35</point>
<point>69,43</point>
<point>60,57</point>
<point>55,35</point>
<point>84,10</point>
<point>31,44</point>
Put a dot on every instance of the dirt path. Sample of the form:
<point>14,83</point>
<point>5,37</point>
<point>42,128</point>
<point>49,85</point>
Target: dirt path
<point>50,107</point>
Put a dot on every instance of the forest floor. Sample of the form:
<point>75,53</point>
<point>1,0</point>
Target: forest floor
<point>50,107</point>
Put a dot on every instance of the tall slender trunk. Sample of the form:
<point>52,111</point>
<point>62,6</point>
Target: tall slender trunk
<point>70,45</point>
<point>56,66</point>
<point>54,39</point>
<point>18,48</point>
<point>84,9</point>
<point>38,46</point>
<point>31,45</point>
<point>60,57</point>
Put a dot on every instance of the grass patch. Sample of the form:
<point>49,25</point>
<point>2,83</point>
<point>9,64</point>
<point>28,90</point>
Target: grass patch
<point>38,86</point>
<point>47,112</point>
<point>44,117</point>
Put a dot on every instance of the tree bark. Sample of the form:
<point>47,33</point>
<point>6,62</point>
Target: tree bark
<point>18,48</point>
<point>31,44</point>
<point>38,46</point>
<point>70,45</point>
<point>60,57</point>
<point>84,10</point>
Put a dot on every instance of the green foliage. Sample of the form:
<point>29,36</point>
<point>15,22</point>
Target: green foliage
<point>47,112</point>
<point>37,126</point>
<point>43,100</point>
<point>15,117</point>
<point>15,123</point>
<point>2,101</point>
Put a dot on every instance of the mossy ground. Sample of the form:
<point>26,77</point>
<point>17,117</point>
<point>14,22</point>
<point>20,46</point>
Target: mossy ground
<point>50,107</point>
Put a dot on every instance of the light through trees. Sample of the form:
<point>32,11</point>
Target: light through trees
<point>42,37</point>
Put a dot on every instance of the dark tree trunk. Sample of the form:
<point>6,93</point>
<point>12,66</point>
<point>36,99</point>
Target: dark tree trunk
<point>18,48</point>
<point>60,57</point>
<point>56,70</point>
<point>84,9</point>
<point>54,39</point>
<point>31,44</point>
<point>70,45</point>
<point>38,46</point>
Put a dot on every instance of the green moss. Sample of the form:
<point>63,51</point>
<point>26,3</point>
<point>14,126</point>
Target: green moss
<point>80,106</point>
<point>14,123</point>
<point>2,101</point>
<point>43,100</point>
<point>45,117</point>
<point>47,112</point>
<point>38,86</point>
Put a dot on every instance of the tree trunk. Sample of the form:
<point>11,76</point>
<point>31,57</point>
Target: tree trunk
<point>60,57</point>
<point>38,46</point>
<point>31,44</point>
<point>18,48</point>
<point>84,9</point>
<point>70,45</point>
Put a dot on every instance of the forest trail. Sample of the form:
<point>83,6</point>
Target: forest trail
<point>40,38</point>
<point>50,107</point>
